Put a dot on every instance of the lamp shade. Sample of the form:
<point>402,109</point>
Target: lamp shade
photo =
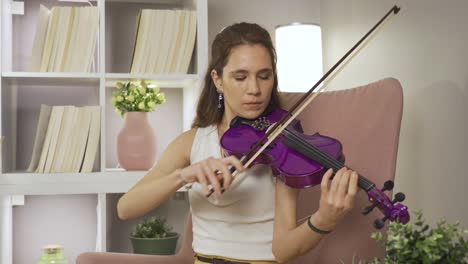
<point>299,51</point>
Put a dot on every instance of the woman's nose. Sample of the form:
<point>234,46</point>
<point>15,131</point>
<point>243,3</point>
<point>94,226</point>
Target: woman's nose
<point>253,87</point>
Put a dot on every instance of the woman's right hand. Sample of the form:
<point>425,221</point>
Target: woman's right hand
<point>210,172</point>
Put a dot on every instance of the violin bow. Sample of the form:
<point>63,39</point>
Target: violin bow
<point>301,104</point>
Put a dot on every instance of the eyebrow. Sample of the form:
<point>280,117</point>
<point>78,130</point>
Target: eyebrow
<point>241,71</point>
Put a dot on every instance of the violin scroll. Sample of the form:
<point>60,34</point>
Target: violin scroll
<point>392,210</point>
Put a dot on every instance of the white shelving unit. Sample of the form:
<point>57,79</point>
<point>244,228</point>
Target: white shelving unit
<point>23,92</point>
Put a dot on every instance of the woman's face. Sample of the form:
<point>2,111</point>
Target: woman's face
<point>247,81</point>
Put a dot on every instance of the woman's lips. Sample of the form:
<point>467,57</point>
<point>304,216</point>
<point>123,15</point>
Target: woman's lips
<point>253,105</point>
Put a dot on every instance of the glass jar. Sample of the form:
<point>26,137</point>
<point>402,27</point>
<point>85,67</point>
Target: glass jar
<point>52,254</point>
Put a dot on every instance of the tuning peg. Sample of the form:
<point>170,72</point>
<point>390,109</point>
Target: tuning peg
<point>369,209</point>
<point>388,186</point>
<point>399,197</point>
<point>380,222</point>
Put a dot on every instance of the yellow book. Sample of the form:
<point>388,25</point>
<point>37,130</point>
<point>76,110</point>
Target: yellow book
<point>188,51</point>
<point>50,39</point>
<point>184,41</point>
<point>39,139</point>
<point>64,139</point>
<point>166,40</point>
<point>54,138</point>
<point>63,38</point>
<point>183,18</point>
<point>67,165</point>
<point>39,39</point>
<point>72,37</point>
<point>90,46</point>
<point>93,139</point>
<point>82,138</point>
<point>155,42</point>
<point>137,44</point>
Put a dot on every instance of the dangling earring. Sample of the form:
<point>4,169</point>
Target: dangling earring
<point>220,98</point>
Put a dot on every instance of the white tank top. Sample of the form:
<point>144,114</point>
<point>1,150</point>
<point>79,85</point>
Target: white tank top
<point>240,224</point>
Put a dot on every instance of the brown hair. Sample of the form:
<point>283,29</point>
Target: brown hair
<point>208,112</point>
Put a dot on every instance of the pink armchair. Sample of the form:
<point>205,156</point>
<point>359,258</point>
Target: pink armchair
<point>367,122</point>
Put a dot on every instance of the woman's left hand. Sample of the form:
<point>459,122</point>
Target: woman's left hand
<point>336,199</point>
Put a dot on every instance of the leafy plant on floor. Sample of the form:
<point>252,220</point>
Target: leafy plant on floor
<point>418,243</point>
<point>152,227</point>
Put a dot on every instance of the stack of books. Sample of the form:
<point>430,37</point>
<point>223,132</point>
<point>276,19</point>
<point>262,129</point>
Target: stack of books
<point>65,39</point>
<point>164,41</point>
<point>67,139</point>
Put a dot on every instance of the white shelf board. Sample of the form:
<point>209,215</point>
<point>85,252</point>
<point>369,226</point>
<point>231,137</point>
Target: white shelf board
<point>160,80</point>
<point>50,78</point>
<point>23,183</point>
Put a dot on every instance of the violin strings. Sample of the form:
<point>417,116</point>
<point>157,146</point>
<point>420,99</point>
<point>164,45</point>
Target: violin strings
<point>321,156</point>
<point>324,158</point>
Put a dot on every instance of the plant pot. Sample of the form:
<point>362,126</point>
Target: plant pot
<point>136,142</point>
<point>155,246</point>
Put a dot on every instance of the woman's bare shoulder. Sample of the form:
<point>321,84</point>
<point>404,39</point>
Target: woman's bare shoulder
<point>187,136</point>
<point>183,143</point>
<point>177,153</point>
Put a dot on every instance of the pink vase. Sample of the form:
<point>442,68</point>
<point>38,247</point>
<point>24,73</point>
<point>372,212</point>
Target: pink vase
<point>136,143</point>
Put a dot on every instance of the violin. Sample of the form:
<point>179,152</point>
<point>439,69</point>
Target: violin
<point>276,138</point>
<point>300,160</point>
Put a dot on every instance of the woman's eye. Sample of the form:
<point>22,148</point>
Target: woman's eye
<point>265,77</point>
<point>240,78</point>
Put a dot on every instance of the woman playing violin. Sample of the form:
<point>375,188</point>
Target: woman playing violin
<point>255,221</point>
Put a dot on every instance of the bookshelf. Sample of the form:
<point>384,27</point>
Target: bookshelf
<point>24,194</point>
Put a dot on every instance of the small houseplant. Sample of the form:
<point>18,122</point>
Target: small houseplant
<point>419,243</point>
<point>136,96</point>
<point>154,236</point>
<point>136,141</point>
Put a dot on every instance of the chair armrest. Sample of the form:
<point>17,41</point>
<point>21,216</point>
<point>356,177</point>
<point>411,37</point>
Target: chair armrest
<point>123,258</point>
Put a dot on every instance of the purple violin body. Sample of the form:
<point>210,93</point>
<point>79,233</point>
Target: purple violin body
<point>300,160</point>
<point>300,170</point>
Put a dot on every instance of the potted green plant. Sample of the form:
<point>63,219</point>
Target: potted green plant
<point>154,236</point>
<point>418,243</point>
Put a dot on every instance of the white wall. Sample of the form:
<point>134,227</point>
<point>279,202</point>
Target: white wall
<point>425,47</point>
<point>267,13</point>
